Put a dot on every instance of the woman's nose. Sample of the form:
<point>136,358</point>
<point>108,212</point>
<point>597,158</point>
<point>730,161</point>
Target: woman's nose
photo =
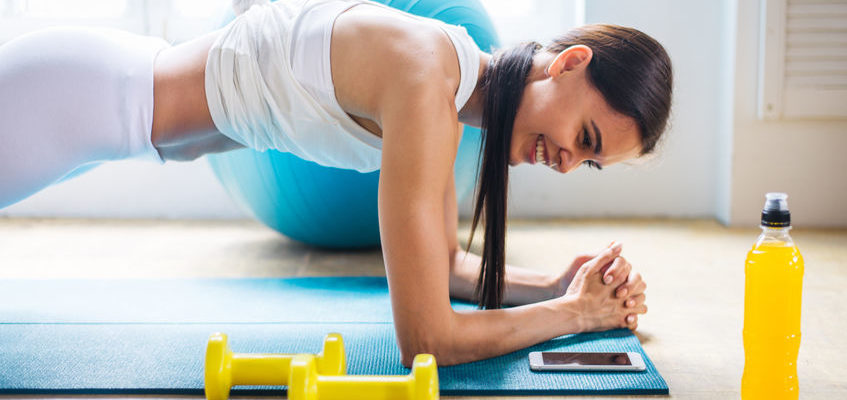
<point>570,161</point>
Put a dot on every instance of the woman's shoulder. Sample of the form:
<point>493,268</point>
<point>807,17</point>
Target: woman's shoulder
<point>390,30</point>
<point>378,52</point>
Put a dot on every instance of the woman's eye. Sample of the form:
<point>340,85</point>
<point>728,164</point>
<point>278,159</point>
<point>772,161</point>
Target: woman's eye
<point>592,164</point>
<point>586,140</point>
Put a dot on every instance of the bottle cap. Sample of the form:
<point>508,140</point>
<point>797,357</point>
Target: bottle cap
<point>775,213</point>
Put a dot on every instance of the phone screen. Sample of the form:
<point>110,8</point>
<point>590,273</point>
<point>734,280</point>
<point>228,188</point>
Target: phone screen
<point>561,358</point>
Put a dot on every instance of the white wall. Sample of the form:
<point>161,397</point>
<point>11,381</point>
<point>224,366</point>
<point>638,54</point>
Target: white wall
<point>804,158</point>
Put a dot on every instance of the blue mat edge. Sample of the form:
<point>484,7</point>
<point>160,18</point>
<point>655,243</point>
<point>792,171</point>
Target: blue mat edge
<point>280,392</point>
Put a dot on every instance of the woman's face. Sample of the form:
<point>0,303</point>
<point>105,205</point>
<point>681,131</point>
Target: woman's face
<point>564,122</point>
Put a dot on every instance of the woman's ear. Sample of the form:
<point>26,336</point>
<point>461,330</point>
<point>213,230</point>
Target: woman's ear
<point>572,58</point>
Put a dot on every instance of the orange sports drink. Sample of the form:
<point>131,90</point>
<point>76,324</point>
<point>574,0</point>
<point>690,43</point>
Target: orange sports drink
<point>772,298</point>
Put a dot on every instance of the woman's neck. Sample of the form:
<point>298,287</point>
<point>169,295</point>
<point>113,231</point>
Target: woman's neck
<point>471,112</point>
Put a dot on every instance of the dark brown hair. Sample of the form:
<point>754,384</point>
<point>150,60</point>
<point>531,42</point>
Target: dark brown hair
<point>629,68</point>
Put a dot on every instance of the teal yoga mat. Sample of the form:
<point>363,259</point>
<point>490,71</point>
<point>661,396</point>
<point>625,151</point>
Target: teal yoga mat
<point>149,337</point>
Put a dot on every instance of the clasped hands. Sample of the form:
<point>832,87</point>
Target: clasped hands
<point>606,289</point>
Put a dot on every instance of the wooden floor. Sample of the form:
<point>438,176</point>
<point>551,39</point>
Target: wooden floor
<point>694,271</point>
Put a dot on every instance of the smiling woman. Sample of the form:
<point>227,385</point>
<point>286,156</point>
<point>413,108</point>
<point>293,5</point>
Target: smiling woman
<point>547,106</point>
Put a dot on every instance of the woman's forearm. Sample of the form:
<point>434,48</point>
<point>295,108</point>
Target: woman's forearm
<point>482,334</point>
<point>523,286</point>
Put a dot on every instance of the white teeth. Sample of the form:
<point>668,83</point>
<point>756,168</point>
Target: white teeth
<point>539,150</point>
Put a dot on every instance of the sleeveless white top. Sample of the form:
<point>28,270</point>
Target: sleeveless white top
<point>269,83</point>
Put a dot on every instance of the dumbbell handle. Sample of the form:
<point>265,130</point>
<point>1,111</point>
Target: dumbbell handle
<point>262,369</point>
<point>363,387</point>
<point>305,383</point>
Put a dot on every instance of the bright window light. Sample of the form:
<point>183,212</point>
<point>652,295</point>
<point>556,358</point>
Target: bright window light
<point>74,8</point>
<point>200,9</point>
<point>509,8</point>
<point>519,21</point>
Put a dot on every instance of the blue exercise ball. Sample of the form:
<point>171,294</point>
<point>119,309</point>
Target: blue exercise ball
<point>331,207</point>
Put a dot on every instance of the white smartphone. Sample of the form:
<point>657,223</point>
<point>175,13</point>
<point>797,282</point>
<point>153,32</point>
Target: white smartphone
<point>567,361</point>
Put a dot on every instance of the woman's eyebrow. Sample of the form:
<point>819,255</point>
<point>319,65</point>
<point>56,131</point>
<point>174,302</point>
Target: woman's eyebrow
<point>598,139</point>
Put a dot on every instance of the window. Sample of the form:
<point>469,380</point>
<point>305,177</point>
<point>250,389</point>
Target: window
<point>803,59</point>
<point>174,20</point>
<point>92,9</point>
<point>21,16</point>
<point>202,9</point>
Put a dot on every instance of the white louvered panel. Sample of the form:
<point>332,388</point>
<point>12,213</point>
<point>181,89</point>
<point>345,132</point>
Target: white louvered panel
<point>815,67</point>
<point>830,82</point>
<point>816,64</point>
<point>803,60</point>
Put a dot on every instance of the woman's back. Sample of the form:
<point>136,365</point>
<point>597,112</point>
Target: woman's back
<point>377,54</point>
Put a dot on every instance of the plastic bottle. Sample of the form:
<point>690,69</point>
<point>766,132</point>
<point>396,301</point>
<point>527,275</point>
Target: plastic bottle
<point>772,299</point>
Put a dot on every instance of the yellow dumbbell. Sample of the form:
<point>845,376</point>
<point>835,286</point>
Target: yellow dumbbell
<point>225,369</point>
<point>307,383</point>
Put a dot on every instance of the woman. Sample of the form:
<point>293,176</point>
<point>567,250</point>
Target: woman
<point>357,85</point>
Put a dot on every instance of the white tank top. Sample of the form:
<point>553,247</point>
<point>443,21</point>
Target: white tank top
<point>269,83</point>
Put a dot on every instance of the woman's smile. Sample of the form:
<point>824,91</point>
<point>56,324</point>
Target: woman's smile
<point>538,151</point>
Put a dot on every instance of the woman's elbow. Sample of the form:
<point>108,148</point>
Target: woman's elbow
<point>439,343</point>
<point>441,354</point>
<point>426,344</point>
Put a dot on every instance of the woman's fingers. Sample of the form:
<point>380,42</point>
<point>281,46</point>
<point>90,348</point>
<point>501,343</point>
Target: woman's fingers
<point>609,289</point>
<point>634,285</point>
<point>582,259</point>
<point>638,309</point>
<point>632,322</point>
<point>617,272</point>
<point>635,300</point>
<point>576,266</point>
<point>631,319</point>
<point>638,288</point>
<point>605,258</point>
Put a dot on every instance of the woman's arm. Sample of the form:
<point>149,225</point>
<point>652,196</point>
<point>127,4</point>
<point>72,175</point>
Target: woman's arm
<point>523,286</point>
<point>420,139</point>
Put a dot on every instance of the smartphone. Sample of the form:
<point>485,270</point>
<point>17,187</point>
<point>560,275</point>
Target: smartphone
<point>567,361</point>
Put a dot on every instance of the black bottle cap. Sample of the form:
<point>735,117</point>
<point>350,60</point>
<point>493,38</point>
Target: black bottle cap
<point>775,213</point>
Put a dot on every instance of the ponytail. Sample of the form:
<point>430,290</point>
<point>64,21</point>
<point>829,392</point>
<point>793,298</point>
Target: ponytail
<point>503,86</point>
